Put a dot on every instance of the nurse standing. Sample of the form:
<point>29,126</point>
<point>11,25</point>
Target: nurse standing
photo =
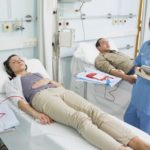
<point>138,111</point>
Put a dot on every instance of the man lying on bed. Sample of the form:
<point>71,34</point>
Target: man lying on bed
<point>113,62</point>
<point>47,100</point>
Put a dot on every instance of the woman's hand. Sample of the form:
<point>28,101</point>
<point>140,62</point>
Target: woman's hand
<point>56,83</point>
<point>44,119</point>
<point>43,82</point>
<point>40,83</point>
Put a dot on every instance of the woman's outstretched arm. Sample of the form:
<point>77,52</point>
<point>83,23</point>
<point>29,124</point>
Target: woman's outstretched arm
<point>44,119</point>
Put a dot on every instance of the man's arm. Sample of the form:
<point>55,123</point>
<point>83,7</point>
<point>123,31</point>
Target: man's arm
<point>121,74</point>
<point>118,73</point>
<point>44,119</point>
<point>103,65</point>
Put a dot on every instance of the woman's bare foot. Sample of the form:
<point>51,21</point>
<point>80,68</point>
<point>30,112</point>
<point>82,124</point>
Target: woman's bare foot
<point>137,144</point>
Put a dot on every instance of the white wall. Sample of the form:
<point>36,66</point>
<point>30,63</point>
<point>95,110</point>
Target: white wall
<point>97,24</point>
<point>23,42</point>
<point>120,27</point>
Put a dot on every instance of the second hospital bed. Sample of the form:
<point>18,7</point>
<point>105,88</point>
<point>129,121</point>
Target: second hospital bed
<point>113,100</point>
<point>33,136</point>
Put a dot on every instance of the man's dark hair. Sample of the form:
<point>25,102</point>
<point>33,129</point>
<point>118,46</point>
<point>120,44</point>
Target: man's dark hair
<point>98,42</point>
<point>8,68</point>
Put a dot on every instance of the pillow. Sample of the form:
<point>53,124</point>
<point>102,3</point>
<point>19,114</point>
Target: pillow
<point>34,65</point>
<point>112,45</point>
<point>86,52</point>
<point>3,78</point>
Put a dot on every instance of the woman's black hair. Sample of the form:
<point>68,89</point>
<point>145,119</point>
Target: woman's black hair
<point>8,68</point>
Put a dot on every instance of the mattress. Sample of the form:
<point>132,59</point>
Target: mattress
<point>34,136</point>
<point>113,100</point>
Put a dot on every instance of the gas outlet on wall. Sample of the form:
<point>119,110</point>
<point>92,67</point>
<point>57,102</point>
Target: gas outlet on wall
<point>7,27</point>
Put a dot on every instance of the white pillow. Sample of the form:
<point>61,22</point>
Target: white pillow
<point>3,78</point>
<point>87,53</point>
<point>34,65</point>
<point>112,45</point>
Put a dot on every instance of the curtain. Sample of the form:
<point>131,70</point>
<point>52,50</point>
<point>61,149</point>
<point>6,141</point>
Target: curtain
<point>44,32</point>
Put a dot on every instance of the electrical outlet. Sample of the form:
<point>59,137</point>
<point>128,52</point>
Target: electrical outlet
<point>115,21</point>
<point>7,27</point>
<point>121,21</point>
<point>124,20</point>
<point>66,23</point>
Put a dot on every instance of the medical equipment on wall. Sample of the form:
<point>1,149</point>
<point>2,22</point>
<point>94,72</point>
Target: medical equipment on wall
<point>66,37</point>
<point>71,1</point>
<point>10,27</point>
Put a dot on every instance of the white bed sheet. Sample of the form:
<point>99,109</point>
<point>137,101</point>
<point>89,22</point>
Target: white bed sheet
<point>95,93</point>
<point>34,136</point>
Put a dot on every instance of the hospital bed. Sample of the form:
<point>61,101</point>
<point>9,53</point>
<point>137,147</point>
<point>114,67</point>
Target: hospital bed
<point>33,136</point>
<point>113,100</point>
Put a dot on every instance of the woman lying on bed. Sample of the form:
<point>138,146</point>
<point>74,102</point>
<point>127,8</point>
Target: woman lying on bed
<point>47,101</point>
